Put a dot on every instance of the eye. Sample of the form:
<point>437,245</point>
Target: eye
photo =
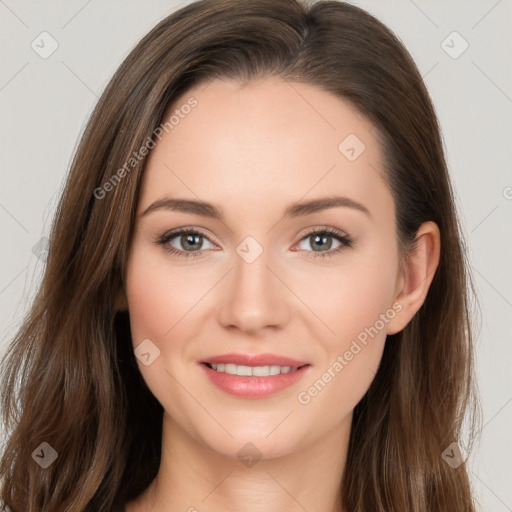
<point>190,242</point>
<point>187,238</point>
<point>322,239</point>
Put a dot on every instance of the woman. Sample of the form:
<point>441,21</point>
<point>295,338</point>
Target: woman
<point>198,342</point>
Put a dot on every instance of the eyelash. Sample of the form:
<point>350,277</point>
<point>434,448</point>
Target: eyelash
<point>346,241</point>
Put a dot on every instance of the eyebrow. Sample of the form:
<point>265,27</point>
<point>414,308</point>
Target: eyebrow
<point>294,210</point>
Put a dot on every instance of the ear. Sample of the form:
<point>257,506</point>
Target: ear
<point>120,300</point>
<point>414,281</point>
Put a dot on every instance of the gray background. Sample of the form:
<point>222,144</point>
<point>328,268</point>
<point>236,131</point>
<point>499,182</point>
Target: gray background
<point>45,103</point>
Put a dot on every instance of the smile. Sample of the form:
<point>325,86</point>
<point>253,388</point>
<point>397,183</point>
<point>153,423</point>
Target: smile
<point>253,381</point>
<point>251,371</point>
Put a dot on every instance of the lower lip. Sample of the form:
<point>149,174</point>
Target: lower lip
<point>254,387</point>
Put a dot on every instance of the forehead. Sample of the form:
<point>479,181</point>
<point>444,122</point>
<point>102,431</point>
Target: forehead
<point>267,140</point>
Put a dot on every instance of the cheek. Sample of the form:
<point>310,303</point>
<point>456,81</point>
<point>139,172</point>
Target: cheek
<point>158,297</point>
<point>356,305</point>
<point>352,296</point>
<point>349,360</point>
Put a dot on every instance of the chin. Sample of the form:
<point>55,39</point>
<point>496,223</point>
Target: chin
<point>249,446</point>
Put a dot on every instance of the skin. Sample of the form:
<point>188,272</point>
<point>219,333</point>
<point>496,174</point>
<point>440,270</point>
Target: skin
<point>269,143</point>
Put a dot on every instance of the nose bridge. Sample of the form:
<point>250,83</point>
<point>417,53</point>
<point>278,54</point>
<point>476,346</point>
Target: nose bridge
<point>254,298</point>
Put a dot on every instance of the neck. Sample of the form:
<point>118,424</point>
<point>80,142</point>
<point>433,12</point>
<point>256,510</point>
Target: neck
<point>192,477</point>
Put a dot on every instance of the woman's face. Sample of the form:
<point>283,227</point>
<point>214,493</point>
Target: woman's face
<point>252,280</point>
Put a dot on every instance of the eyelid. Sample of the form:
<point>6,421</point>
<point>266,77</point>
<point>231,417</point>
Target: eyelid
<point>186,229</point>
<point>325,229</point>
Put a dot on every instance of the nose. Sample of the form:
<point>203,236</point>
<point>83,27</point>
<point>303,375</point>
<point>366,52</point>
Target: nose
<point>254,296</point>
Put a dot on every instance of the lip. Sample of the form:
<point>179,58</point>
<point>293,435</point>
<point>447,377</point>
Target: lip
<point>254,360</point>
<point>251,386</point>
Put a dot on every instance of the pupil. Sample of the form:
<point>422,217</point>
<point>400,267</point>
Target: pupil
<point>191,239</point>
<point>322,243</point>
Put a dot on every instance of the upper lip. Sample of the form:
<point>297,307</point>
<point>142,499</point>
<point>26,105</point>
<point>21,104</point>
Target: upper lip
<point>254,360</point>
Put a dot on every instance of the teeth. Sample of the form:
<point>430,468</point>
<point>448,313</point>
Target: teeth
<point>251,371</point>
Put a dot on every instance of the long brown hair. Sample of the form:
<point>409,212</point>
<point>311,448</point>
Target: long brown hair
<point>70,377</point>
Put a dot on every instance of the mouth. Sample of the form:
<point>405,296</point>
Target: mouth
<point>254,376</point>
<point>252,371</point>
